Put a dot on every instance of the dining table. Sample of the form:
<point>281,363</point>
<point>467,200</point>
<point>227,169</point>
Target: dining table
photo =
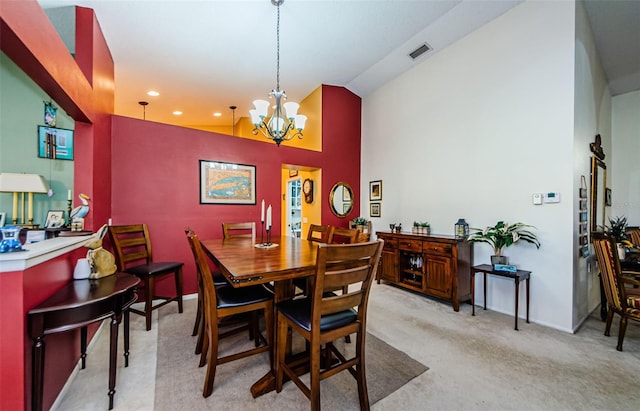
<point>245,263</point>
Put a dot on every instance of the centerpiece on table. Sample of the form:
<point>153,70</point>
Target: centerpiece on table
<point>421,227</point>
<point>361,223</point>
<point>503,235</point>
<point>617,229</point>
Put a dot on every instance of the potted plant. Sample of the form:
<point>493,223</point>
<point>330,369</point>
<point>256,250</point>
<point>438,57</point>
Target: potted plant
<point>503,235</point>
<point>361,223</point>
<point>421,227</point>
<point>617,229</point>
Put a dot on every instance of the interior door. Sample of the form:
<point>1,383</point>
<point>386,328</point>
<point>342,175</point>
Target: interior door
<point>294,208</point>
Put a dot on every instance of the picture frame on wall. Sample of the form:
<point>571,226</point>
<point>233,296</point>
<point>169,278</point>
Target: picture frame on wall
<point>55,143</point>
<point>374,209</point>
<point>375,190</point>
<point>607,197</point>
<point>227,183</point>
<point>55,219</point>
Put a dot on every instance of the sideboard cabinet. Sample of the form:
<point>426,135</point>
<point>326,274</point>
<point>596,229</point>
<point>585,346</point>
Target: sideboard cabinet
<point>435,265</point>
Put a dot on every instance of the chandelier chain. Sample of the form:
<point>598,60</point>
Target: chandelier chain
<point>278,51</point>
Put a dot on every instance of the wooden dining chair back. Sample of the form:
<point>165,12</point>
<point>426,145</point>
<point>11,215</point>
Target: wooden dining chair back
<point>132,249</point>
<point>223,302</point>
<point>324,317</point>
<point>239,230</point>
<point>614,281</point>
<point>341,235</point>
<point>218,281</point>
<point>634,235</point>
<point>319,233</point>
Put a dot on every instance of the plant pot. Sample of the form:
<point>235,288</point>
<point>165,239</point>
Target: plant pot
<point>498,259</point>
<point>622,253</point>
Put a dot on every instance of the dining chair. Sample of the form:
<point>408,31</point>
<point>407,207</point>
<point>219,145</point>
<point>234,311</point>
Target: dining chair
<point>239,230</point>
<point>319,233</point>
<point>323,317</point>
<point>218,281</point>
<point>224,302</point>
<point>634,235</point>
<point>614,281</point>
<point>132,249</point>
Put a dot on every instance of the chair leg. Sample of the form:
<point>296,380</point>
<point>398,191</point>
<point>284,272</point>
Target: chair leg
<point>205,348</point>
<point>148,304</point>
<point>314,376</point>
<point>621,332</point>
<point>178,278</point>
<point>268,320</point>
<point>253,328</point>
<point>212,363</point>
<point>196,325</point>
<point>607,328</point>
<point>201,336</point>
<point>361,373</point>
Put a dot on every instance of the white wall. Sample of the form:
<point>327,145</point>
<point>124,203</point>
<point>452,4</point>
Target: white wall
<point>625,173</point>
<point>473,132</point>
<point>592,116</point>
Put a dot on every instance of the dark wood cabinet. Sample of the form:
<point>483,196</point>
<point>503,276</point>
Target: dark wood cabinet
<point>439,266</point>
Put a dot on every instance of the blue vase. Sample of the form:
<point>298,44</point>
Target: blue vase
<point>10,240</point>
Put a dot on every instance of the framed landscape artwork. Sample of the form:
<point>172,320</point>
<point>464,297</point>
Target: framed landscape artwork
<point>375,190</point>
<point>227,183</point>
<point>374,209</point>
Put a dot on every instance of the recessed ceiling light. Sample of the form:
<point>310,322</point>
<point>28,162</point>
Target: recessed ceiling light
<point>177,113</point>
<point>217,114</point>
<point>153,93</point>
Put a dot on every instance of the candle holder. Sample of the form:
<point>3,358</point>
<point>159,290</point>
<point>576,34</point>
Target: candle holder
<point>268,244</point>
<point>262,233</point>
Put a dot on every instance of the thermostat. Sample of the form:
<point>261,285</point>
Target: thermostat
<point>552,197</point>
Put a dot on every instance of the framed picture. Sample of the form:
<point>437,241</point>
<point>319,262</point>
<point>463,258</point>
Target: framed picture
<point>227,183</point>
<point>49,114</point>
<point>293,173</point>
<point>582,193</point>
<point>55,143</point>
<point>55,219</point>
<point>374,209</point>
<point>583,204</point>
<point>375,190</point>
<point>2,217</point>
<point>582,228</point>
<point>607,197</point>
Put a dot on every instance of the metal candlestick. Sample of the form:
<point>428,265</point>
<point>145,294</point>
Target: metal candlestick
<point>262,233</point>
<point>69,213</point>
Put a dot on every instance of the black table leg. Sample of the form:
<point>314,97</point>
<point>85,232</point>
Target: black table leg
<point>126,338</point>
<point>37,373</point>
<point>113,348</point>
<point>528,300</point>
<point>83,345</point>
<point>517,292</point>
<point>484,278</point>
<point>473,293</point>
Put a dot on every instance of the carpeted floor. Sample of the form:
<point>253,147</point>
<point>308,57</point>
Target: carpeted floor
<point>181,386</point>
<point>475,363</point>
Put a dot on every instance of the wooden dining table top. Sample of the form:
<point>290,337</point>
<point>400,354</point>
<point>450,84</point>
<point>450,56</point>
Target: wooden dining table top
<point>244,264</point>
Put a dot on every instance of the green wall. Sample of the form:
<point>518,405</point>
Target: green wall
<point>21,112</point>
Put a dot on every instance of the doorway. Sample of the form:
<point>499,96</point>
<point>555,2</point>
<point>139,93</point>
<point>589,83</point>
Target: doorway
<point>294,208</point>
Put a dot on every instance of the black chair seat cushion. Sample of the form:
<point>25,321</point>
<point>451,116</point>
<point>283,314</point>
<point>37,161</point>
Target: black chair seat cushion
<point>163,267</point>
<point>219,279</point>
<point>234,297</point>
<point>299,311</point>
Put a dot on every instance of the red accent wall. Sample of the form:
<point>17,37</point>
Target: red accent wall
<point>155,176</point>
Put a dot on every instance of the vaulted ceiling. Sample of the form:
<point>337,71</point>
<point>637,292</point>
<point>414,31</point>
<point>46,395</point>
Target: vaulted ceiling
<point>205,56</point>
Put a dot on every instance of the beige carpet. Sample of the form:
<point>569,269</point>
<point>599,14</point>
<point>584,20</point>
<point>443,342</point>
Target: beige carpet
<point>179,380</point>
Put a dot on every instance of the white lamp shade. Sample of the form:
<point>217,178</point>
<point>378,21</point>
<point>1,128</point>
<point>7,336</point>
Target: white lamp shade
<point>23,183</point>
<point>255,117</point>
<point>291,108</point>
<point>262,107</point>
<point>301,121</point>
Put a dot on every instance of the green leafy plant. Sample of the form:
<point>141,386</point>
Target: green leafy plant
<point>504,235</point>
<point>421,224</point>
<point>617,228</point>
<point>360,221</point>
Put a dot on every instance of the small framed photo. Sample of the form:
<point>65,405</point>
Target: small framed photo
<point>55,219</point>
<point>583,240</point>
<point>583,228</point>
<point>583,205</point>
<point>375,190</point>
<point>374,209</point>
<point>582,193</point>
<point>2,217</point>
<point>293,173</point>
<point>607,197</point>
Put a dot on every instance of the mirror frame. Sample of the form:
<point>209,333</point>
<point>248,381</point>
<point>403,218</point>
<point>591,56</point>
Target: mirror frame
<point>598,186</point>
<point>331,197</point>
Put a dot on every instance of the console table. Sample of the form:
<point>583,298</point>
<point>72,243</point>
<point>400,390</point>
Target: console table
<point>76,305</point>
<point>517,277</point>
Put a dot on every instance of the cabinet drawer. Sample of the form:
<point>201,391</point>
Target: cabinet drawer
<point>431,247</point>
<point>410,245</point>
<point>390,244</point>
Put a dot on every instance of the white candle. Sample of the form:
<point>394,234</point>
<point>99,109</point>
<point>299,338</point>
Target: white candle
<point>69,194</point>
<point>262,212</point>
<point>269,217</point>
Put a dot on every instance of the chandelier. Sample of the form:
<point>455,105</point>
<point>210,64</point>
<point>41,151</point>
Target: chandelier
<point>285,122</point>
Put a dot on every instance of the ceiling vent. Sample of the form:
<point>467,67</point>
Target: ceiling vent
<point>419,51</point>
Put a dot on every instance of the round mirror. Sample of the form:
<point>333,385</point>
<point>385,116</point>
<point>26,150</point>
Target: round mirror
<point>341,199</point>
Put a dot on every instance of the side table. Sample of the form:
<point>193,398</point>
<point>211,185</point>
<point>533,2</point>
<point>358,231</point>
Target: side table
<point>517,277</point>
<point>76,305</point>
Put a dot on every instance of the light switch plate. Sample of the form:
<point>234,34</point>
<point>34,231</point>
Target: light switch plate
<point>537,198</point>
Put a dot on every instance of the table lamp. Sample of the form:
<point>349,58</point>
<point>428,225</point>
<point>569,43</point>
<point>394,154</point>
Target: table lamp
<point>22,183</point>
